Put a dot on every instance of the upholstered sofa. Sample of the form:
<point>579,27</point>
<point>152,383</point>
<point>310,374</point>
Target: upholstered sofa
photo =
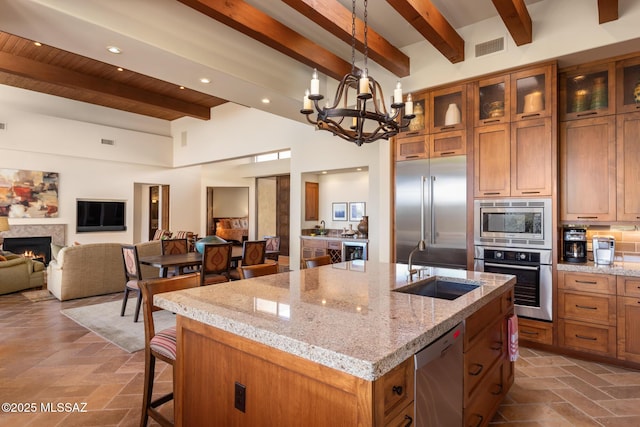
<point>18,273</point>
<point>232,229</point>
<point>93,269</point>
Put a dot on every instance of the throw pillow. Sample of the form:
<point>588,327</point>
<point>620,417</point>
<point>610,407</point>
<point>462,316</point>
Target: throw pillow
<point>3,258</point>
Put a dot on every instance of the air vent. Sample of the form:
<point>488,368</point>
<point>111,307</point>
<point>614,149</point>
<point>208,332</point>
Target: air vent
<point>107,141</point>
<point>492,46</point>
<point>3,126</point>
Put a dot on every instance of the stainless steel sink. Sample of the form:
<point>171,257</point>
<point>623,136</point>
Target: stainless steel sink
<point>438,287</point>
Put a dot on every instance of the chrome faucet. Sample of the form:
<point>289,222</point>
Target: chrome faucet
<point>322,225</point>
<point>421,246</point>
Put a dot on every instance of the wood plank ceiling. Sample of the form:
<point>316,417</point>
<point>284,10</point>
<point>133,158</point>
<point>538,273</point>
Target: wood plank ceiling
<point>57,72</point>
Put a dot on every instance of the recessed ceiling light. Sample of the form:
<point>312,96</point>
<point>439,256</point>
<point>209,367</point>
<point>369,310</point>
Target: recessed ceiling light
<point>181,87</point>
<point>359,169</point>
<point>266,100</point>
<point>37,44</point>
<point>114,49</point>
<point>120,69</point>
<point>205,80</point>
<point>324,172</point>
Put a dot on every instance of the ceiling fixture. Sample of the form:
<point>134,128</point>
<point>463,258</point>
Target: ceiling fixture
<point>114,49</point>
<point>205,80</point>
<point>363,122</point>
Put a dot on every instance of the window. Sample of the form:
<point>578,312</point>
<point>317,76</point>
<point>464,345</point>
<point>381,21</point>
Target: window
<point>273,156</point>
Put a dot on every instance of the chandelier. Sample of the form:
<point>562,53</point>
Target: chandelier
<point>358,113</point>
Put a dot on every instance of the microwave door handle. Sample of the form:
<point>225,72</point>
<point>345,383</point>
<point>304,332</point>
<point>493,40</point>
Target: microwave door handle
<point>432,180</point>
<point>515,267</point>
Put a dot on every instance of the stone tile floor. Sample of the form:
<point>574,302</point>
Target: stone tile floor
<point>46,358</point>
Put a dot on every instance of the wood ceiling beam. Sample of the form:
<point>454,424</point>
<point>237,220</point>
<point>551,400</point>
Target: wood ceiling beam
<point>261,27</point>
<point>336,19</point>
<point>607,10</point>
<point>516,17</point>
<point>428,20</point>
<point>52,74</point>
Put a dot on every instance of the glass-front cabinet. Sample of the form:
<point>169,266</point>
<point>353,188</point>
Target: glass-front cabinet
<point>492,103</point>
<point>531,93</point>
<point>448,109</point>
<point>628,83</point>
<point>587,92</point>
<point>419,124</point>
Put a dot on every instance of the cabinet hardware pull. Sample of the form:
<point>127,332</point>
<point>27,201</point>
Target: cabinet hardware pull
<point>587,217</point>
<point>530,192</point>
<point>412,157</point>
<point>498,391</point>
<point>586,307</point>
<point>412,133</point>
<point>491,193</point>
<point>528,332</point>
<point>530,115</point>
<point>591,113</point>
<point>407,417</point>
<point>587,282</point>
<point>582,337</point>
<point>397,389</point>
<point>481,418</point>
<point>496,346</point>
<point>447,127</point>
<point>490,121</point>
<point>447,153</point>
<point>479,369</point>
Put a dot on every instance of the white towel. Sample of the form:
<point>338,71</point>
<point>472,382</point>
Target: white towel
<point>512,324</point>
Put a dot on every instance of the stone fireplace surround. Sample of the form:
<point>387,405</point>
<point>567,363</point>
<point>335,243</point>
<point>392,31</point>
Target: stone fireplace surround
<point>56,231</point>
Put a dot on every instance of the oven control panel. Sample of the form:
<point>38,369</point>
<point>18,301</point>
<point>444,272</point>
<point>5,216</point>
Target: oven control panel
<point>511,257</point>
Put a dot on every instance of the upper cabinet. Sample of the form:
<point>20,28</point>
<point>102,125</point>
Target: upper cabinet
<point>628,85</point>
<point>311,201</point>
<point>419,125</point>
<point>587,91</point>
<point>533,93</point>
<point>448,109</point>
<point>492,101</point>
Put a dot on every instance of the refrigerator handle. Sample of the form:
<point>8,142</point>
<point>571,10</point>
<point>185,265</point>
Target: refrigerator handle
<point>432,181</point>
<point>422,179</point>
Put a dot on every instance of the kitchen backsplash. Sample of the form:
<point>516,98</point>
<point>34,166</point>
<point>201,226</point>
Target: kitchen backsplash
<point>627,240</point>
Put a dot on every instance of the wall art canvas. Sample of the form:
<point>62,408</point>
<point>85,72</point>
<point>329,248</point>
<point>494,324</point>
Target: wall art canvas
<point>28,194</point>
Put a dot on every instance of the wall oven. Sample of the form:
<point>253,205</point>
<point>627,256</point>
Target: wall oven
<point>514,236</point>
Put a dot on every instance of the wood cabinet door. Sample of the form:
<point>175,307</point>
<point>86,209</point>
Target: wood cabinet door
<point>311,201</point>
<point>441,101</point>
<point>587,91</point>
<point>453,143</point>
<point>492,101</point>
<point>492,159</point>
<point>531,158</point>
<point>411,147</point>
<point>628,166</point>
<point>533,93</point>
<point>588,170</point>
<point>629,329</point>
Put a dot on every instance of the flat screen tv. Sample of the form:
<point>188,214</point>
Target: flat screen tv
<point>100,215</point>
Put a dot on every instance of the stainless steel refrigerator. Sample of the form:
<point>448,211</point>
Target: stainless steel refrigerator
<point>431,197</point>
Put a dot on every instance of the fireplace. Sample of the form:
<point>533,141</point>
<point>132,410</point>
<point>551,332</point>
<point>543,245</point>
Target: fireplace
<point>33,247</point>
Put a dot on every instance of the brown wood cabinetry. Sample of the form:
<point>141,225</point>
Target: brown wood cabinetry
<point>412,147</point>
<point>587,312</point>
<point>587,91</point>
<point>514,148</point>
<point>311,201</point>
<point>628,166</point>
<point>394,395</point>
<point>535,331</point>
<point>628,85</point>
<point>488,372</point>
<point>588,170</point>
<point>419,125</point>
<point>312,248</point>
<point>443,102</point>
<point>628,326</point>
<point>444,144</point>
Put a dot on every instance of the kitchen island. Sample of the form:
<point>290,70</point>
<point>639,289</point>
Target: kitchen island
<point>319,346</point>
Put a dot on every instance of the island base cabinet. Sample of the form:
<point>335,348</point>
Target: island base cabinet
<point>487,399</point>
<point>225,380</point>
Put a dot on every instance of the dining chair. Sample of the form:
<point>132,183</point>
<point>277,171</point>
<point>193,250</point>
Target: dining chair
<point>249,271</point>
<point>173,246</point>
<point>216,261</point>
<point>159,345</point>
<point>273,246</point>
<point>190,236</point>
<point>132,276</point>
<point>253,253</point>
<point>317,261</point>
<point>162,234</point>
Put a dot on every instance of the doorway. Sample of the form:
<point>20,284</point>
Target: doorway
<point>226,202</point>
<point>158,205</point>
<point>272,208</point>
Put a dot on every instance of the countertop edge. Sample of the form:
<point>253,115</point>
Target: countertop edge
<point>631,269</point>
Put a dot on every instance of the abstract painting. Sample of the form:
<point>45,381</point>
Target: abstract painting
<point>28,194</point>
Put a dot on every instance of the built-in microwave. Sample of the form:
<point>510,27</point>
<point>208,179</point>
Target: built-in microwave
<point>513,223</point>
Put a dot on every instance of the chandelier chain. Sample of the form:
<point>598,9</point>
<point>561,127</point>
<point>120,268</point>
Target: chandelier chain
<point>366,45</point>
<point>353,36</point>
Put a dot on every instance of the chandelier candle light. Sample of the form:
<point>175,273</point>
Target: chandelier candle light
<point>368,121</point>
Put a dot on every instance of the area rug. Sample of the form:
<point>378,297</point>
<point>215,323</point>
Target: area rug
<point>39,295</point>
<point>104,319</point>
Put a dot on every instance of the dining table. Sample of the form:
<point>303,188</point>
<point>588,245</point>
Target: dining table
<point>179,262</point>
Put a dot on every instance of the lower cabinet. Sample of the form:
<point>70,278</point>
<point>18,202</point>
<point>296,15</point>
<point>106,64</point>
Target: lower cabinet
<point>628,318</point>
<point>587,312</point>
<point>535,331</point>
<point>488,372</point>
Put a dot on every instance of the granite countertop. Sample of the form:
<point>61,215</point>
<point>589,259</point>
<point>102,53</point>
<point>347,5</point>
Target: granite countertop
<point>343,316</point>
<point>619,268</point>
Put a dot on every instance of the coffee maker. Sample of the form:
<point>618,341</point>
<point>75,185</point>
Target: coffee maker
<point>575,245</point>
<point>604,248</point>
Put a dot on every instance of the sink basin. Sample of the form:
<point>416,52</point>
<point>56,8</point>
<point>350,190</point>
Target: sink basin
<point>438,287</point>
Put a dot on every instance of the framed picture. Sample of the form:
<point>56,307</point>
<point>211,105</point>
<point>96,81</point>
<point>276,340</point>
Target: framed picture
<point>356,211</point>
<point>339,211</point>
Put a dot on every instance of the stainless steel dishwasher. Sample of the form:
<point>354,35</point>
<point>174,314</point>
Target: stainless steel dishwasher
<point>438,381</point>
